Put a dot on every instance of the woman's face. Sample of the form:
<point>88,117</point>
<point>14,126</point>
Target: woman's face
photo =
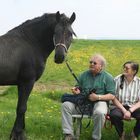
<point>128,71</point>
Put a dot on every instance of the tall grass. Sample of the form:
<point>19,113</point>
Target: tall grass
<point>43,117</point>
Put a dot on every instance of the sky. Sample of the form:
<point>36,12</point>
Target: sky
<point>95,19</point>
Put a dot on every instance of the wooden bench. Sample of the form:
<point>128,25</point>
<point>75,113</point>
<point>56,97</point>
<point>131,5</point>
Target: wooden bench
<point>77,121</point>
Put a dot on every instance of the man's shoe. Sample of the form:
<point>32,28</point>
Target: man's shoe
<point>69,137</point>
<point>122,137</point>
<point>133,137</point>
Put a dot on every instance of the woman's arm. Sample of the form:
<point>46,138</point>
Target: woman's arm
<point>134,107</point>
<point>119,105</point>
<point>127,113</point>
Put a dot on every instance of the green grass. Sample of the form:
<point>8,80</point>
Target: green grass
<point>116,53</point>
<point>43,117</point>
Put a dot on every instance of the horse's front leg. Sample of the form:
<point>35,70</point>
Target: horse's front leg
<point>24,90</point>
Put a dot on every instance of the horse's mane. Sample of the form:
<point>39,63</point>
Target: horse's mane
<point>49,17</point>
<point>37,19</point>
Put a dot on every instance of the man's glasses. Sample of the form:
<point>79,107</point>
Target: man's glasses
<point>92,62</point>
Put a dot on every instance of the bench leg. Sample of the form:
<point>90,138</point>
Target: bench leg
<point>78,128</point>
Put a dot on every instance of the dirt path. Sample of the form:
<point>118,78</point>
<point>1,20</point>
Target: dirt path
<point>41,87</point>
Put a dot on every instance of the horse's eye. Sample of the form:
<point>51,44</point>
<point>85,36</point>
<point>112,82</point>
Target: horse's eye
<point>69,34</point>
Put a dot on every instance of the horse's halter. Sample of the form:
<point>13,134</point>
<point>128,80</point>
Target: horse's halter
<point>60,44</point>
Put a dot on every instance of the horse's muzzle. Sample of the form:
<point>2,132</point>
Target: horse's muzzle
<point>59,59</point>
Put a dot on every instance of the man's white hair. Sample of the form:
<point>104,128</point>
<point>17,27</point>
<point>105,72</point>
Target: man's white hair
<point>101,58</point>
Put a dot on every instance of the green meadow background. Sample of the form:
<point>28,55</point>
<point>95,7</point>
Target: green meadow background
<point>43,116</point>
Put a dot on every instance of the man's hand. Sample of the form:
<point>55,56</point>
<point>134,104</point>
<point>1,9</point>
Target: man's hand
<point>75,90</point>
<point>93,97</point>
<point>111,97</point>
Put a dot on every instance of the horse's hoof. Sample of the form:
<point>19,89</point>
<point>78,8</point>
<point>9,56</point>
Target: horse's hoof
<point>20,136</point>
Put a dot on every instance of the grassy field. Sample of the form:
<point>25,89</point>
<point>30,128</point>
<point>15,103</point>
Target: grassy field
<point>116,52</point>
<point>43,117</point>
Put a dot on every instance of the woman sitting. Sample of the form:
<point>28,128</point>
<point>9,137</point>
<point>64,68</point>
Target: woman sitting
<point>127,100</point>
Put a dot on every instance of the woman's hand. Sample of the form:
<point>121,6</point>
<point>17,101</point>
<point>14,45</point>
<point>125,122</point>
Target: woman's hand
<point>127,115</point>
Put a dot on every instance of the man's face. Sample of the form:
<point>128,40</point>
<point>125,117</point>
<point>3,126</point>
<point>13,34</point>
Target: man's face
<point>95,65</point>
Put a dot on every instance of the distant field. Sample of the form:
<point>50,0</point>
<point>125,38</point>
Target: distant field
<point>116,53</point>
<point>43,117</point>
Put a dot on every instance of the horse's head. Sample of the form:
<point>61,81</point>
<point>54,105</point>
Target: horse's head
<point>62,36</point>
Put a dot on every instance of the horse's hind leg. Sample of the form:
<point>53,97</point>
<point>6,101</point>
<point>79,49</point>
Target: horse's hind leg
<point>24,90</point>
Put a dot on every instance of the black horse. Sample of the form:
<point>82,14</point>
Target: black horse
<point>23,53</point>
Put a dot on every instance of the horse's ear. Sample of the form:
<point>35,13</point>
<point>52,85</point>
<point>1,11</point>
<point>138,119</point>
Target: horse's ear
<point>72,18</point>
<point>57,16</point>
<point>74,34</point>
